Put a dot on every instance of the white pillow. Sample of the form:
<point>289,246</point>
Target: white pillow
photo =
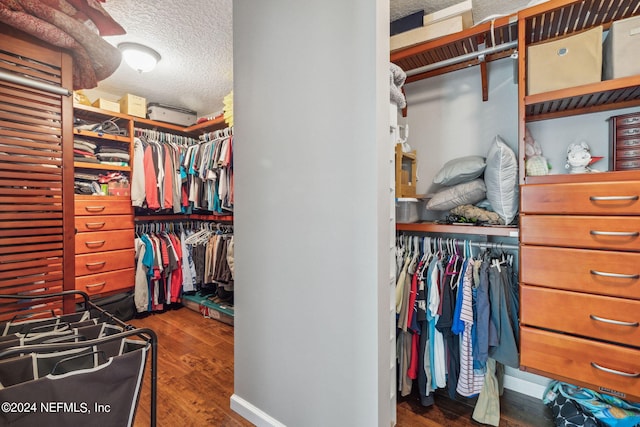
<point>459,170</point>
<point>501,178</point>
<point>466,193</point>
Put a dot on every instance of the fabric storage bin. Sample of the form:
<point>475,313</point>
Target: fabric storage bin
<point>406,209</point>
<point>621,49</point>
<point>572,61</point>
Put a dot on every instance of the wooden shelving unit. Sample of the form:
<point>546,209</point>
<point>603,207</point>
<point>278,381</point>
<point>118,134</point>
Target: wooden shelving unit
<point>460,50</point>
<point>432,227</point>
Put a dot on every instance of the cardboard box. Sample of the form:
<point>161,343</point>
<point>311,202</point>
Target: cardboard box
<point>429,32</point>
<point>463,9</point>
<point>133,105</point>
<point>621,49</point>
<point>571,61</point>
<point>106,105</point>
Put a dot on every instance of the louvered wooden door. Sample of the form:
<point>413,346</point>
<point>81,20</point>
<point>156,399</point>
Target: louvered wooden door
<point>36,174</point>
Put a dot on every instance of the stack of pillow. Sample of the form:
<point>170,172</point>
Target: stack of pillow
<point>472,179</point>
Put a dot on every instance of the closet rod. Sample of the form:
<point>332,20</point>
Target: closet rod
<point>462,58</point>
<point>12,78</point>
<point>485,245</point>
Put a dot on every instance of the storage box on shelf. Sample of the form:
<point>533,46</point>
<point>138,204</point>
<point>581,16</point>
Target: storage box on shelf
<point>579,233</point>
<point>621,48</point>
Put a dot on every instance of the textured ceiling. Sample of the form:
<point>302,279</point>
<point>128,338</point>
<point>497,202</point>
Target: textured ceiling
<point>481,8</point>
<point>195,41</point>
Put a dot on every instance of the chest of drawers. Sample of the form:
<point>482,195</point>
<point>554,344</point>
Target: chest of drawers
<point>580,283</point>
<point>104,244</point>
<point>625,142</point>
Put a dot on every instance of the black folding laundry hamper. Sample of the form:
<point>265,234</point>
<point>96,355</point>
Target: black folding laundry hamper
<point>84,368</point>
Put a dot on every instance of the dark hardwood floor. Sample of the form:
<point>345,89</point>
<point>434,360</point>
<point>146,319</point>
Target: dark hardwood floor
<point>195,383</point>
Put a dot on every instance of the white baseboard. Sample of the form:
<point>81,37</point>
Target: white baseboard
<point>252,414</point>
<point>523,386</point>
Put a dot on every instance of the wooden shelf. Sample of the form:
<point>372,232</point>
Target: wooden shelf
<point>208,126</point>
<point>100,166</point>
<point>583,177</point>
<point>89,111</point>
<point>451,47</point>
<point>103,136</point>
<point>153,124</point>
<point>591,98</point>
<point>431,227</point>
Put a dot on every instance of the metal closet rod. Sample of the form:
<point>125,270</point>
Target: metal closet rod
<point>462,58</point>
<point>483,245</point>
<point>34,84</point>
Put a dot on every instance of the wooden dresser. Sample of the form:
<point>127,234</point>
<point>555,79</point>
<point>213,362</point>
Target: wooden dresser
<point>580,281</point>
<point>104,244</point>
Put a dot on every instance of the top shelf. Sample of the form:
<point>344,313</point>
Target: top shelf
<point>545,21</point>
<point>558,18</point>
<point>459,50</point>
<point>99,115</point>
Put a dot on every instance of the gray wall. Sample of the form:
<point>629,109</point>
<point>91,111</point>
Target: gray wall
<point>312,212</point>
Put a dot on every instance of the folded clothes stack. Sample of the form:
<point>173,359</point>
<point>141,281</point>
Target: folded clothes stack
<point>113,155</point>
<point>84,151</point>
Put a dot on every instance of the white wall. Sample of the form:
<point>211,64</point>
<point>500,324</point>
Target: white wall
<point>447,117</point>
<point>312,212</point>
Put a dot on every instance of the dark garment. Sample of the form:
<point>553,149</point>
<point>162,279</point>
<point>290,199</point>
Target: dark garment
<point>506,352</point>
<point>451,341</point>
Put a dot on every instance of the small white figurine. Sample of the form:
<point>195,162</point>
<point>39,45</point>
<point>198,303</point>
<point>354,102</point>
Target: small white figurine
<point>578,157</point>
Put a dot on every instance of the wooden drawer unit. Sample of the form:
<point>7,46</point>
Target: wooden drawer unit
<point>104,261</point>
<point>101,241</point>
<point>103,223</point>
<point>583,198</point>
<point>101,283</point>
<point>603,367</point>
<point>624,152</point>
<point>593,316</point>
<point>592,271</point>
<point>97,205</point>
<point>597,232</point>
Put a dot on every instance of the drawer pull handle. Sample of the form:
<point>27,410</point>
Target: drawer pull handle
<point>616,372</point>
<point>95,244</point>
<point>95,264</point>
<point>615,233</point>
<point>94,208</point>
<point>615,275</point>
<point>94,225</point>
<point>96,285</point>
<point>613,322</point>
<point>612,198</point>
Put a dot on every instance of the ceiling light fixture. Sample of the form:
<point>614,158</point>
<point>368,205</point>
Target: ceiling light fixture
<point>139,57</point>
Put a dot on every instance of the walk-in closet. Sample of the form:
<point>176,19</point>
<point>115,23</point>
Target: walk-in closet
<point>373,213</point>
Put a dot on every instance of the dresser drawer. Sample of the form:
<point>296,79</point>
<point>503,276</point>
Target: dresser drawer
<point>100,241</point>
<point>103,223</point>
<point>106,282</point>
<point>627,164</point>
<point>102,206</point>
<point>599,366</point>
<point>632,119</point>
<point>594,316</point>
<point>628,131</point>
<point>608,198</point>
<point>104,261</point>
<point>584,270</point>
<point>605,232</point>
